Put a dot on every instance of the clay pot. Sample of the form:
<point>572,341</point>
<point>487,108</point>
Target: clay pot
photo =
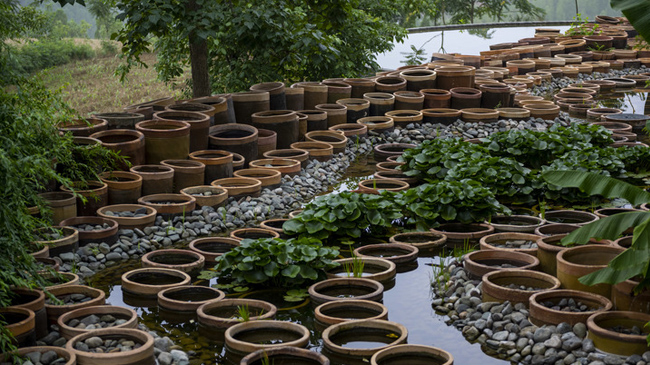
<point>187,173</point>
<point>165,139</point>
<point>147,282</point>
<point>440,116</point>
<point>421,240</point>
<point>337,90</point>
<point>142,355</point>
<point>224,111</point>
<point>66,279</point>
<point>285,166</point>
<point>20,325</point>
<point>118,312</point>
<point>218,164</point>
<point>253,233</point>
<point>402,118</point>
<point>337,140</point>
<point>479,263</point>
<point>548,248</point>
<point>408,100</point>
<point>107,235</point>
<point>449,77</point>
<point>95,194</point>
<point>419,79</point>
<point>317,150</point>
<point>33,300</point>
<point>283,122</point>
<point>239,187</point>
<point>380,103</point>
<point>199,126</point>
<point>120,120</point>
<point>156,179</point>
<point>356,109</point>
<point>213,247</point>
<point>123,187</point>
<point>373,269</point>
<point>221,314</point>
<point>383,151</point>
<point>315,93</point>
<point>542,315</point>
<point>236,138</point>
<point>573,263</point>
<point>146,220</point>
<point>390,84</point>
<point>606,339</point>
<point>67,241</point>
<point>275,225</point>
<point>269,178</point>
<point>336,113</point>
<point>360,327</point>
<point>276,90</point>
<point>344,289</point>
<point>69,358</point>
<point>377,124</point>
<point>548,112</point>
<point>396,253</point>
<point>465,97</point>
<point>479,115</point>
<point>187,298</point>
<point>62,204</point>
<point>495,96</point>
<point>83,127</point>
<point>55,311</point>
<point>330,313</point>
<point>266,141</point>
<point>496,285</point>
<point>520,67</point>
<point>217,197</point>
<point>492,242</point>
<point>458,233</point>
<point>436,98</point>
<point>360,86</point>
<point>299,155</point>
<point>247,103</point>
<point>420,353</point>
<point>555,228</point>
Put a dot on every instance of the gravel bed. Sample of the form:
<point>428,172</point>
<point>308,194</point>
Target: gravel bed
<point>36,358</point>
<point>93,322</point>
<point>99,346</point>
<point>522,244</point>
<point>635,330</point>
<point>523,287</point>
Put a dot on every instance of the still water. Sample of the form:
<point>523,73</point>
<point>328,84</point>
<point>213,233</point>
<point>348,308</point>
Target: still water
<point>454,41</point>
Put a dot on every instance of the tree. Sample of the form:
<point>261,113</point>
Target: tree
<point>245,42</point>
<point>464,11</point>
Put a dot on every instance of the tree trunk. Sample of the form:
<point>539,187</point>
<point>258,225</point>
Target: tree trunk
<point>199,63</point>
<point>198,59</point>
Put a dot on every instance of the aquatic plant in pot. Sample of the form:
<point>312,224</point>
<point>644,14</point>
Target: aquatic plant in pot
<point>275,262</point>
<point>464,201</point>
<point>345,215</point>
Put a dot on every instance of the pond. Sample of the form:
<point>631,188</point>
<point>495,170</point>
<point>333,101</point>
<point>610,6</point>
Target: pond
<point>454,41</point>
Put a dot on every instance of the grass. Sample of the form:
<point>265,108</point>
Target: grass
<point>90,86</point>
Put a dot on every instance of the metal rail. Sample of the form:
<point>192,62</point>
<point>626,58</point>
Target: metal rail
<point>488,25</point>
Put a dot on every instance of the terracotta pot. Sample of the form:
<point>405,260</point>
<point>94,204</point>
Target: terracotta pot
<point>156,179</point>
<point>107,235</point>
<point>315,93</point>
<point>360,86</point>
<point>269,331</point>
<point>316,120</point>
<point>330,313</point>
<point>383,151</point>
<point>67,239</point>
<point>195,107</point>
<point>495,242</point>
<point>356,109</point>
<point>436,98</point>
<point>497,285</point>
<point>465,97</point>
<point>218,164</point>
<point>337,90</point>
<point>275,225</point>
<point>574,45</point>
<point>66,279</point>
<point>123,187</point>
<point>373,268</point>
<point>285,166</point>
<point>336,113</point>
<point>212,247</point>
<point>69,358</point>
<point>606,339</point>
<point>33,300</point>
<point>573,263</point>
<point>117,312</point>
<point>266,141</point>
<point>548,112</point>
<point>576,217</point>
<point>542,315</point>
<point>239,187</point>
<point>458,233</point>
<point>321,151</point>
<point>55,311</point>
<point>299,155</point>
<point>479,263</point>
<point>169,205</point>
<point>120,120</point>
<point>63,205</point>
<point>216,198</point>
<point>283,122</point>
<point>142,355</point>
<point>361,327</point>
<point>20,324</point>
<point>420,353</point>
<point>352,288</point>
<point>222,314</point>
<point>247,103</point>
<point>198,131</point>
<point>449,77</point>
<point>187,173</point>
<point>147,282</point>
<point>380,103</point>
<point>495,96</point>
<point>253,233</point>
<point>396,253</point>
<point>409,100</point>
<point>187,298</point>
<point>83,127</point>
<point>550,246</point>
<point>597,114</point>
<point>224,111</point>
<point>353,131</point>
<point>295,98</point>
<point>520,67</point>
<point>337,140</point>
<point>95,194</point>
<point>418,79</point>
<point>269,178</point>
<point>377,124</point>
<point>236,138</point>
<point>479,115</point>
<point>440,116</point>
<point>276,90</point>
<point>147,219</point>
<point>390,84</point>
<point>636,121</point>
<point>402,118</point>
<point>421,240</point>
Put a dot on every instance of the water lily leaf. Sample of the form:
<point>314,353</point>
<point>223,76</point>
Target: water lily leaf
<point>291,271</point>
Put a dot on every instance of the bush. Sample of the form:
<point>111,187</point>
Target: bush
<point>46,53</point>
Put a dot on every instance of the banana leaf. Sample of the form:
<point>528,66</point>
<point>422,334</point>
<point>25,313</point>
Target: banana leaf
<point>637,12</point>
<point>596,184</point>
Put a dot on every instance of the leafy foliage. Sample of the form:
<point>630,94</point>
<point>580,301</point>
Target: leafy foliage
<point>466,201</point>
<point>633,261</point>
<point>265,40</point>
<point>455,160</point>
<point>344,215</point>
<point>274,261</point>
<point>581,26</point>
<point>638,14</point>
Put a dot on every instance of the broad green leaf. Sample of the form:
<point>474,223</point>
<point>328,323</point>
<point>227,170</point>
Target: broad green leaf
<point>606,228</point>
<point>596,184</point>
<point>291,271</point>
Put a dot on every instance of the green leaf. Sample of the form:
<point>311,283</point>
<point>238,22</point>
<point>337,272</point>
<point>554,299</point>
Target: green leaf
<point>291,271</point>
<point>596,184</point>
